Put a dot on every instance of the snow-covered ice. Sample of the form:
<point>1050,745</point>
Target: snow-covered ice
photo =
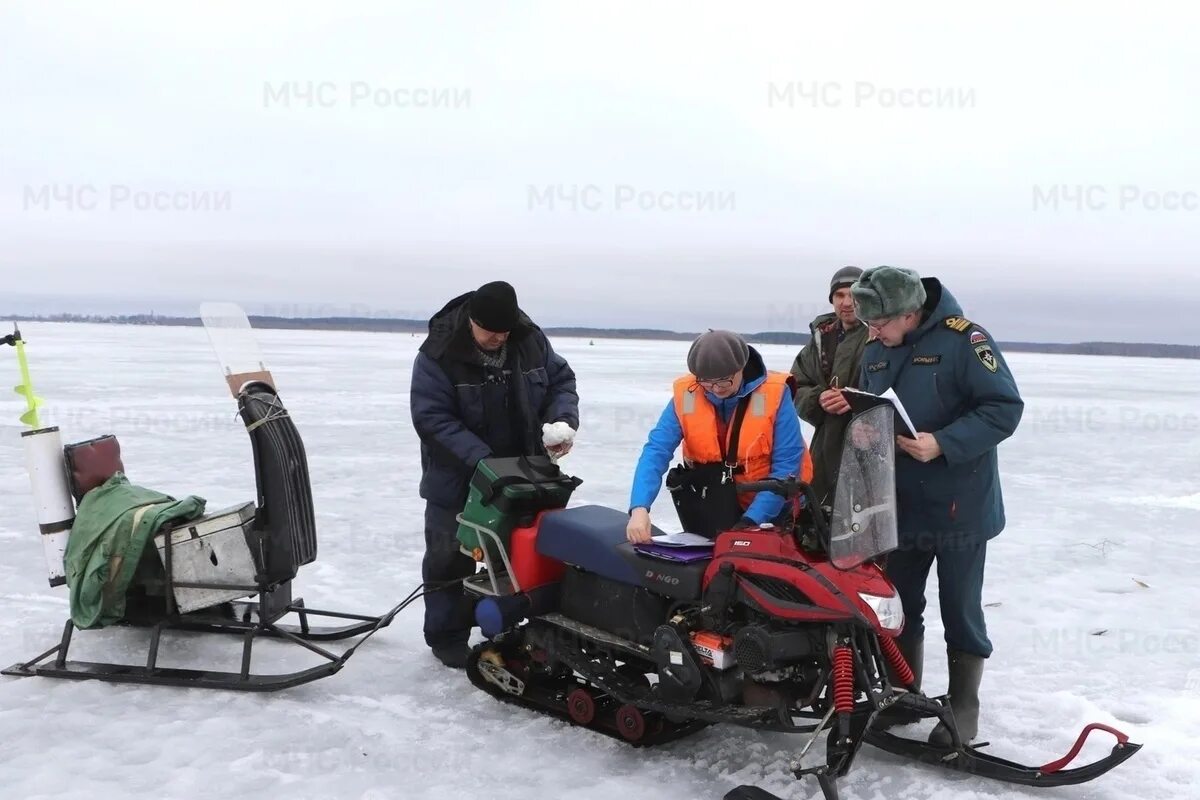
<point>1092,589</point>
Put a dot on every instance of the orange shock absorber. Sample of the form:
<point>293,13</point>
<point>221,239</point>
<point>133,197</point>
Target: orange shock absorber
<point>843,679</point>
<point>896,660</point>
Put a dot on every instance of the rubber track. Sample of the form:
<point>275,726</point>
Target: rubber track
<point>551,699</point>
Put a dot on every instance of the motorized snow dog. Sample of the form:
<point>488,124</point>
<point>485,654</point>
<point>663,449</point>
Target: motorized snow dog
<point>777,629</point>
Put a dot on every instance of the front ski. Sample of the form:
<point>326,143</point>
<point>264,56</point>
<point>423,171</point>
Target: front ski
<point>973,761</point>
<point>969,759</point>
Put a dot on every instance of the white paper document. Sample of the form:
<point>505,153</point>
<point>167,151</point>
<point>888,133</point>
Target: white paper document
<point>891,395</point>
<point>861,401</point>
<point>682,540</point>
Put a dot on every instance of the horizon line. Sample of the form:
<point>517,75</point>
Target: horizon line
<point>408,325</point>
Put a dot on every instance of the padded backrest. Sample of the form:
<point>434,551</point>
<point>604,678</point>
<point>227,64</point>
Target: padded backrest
<point>91,463</point>
<point>285,503</point>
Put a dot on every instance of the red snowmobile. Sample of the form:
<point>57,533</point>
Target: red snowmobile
<point>777,629</point>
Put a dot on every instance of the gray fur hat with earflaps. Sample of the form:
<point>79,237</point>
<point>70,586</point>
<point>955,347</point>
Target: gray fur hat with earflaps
<point>884,292</point>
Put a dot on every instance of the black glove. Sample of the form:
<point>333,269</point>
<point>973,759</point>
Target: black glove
<point>10,339</point>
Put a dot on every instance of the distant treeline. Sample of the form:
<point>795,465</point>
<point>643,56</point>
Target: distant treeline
<point>1132,349</point>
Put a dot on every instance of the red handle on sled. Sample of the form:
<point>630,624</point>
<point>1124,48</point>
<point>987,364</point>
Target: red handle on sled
<point>1055,766</point>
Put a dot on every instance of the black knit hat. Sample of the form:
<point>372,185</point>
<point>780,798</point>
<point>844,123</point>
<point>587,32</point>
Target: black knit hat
<point>493,307</point>
<point>717,354</point>
<point>843,278</point>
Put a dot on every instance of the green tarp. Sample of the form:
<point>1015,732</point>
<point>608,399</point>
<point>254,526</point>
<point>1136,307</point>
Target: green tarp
<point>113,525</point>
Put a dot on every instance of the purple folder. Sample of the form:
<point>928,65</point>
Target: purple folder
<point>684,555</point>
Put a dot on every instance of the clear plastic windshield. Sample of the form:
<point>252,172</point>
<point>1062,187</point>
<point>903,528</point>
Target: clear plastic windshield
<point>864,509</point>
<point>235,344</point>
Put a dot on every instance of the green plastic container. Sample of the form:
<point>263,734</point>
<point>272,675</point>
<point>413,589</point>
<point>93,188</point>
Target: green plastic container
<point>506,492</point>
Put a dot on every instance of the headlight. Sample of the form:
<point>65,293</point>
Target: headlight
<point>888,610</point>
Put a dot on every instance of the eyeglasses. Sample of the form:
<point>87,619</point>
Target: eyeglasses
<point>719,383</point>
<point>878,324</point>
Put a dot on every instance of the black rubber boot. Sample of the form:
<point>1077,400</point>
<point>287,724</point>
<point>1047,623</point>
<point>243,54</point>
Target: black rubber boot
<point>453,655</point>
<point>966,673</point>
<point>914,654</point>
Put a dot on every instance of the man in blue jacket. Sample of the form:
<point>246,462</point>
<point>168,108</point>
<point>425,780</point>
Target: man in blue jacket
<point>484,383</point>
<point>963,401</point>
<point>724,372</point>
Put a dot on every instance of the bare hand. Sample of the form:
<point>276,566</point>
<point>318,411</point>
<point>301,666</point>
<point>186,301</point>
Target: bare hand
<point>833,402</point>
<point>638,529</point>
<point>560,450</point>
<point>924,448</point>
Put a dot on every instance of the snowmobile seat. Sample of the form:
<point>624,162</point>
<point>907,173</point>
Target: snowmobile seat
<point>587,537</point>
<point>593,538</point>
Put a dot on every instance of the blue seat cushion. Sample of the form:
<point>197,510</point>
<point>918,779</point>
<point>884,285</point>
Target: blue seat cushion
<point>588,537</point>
<point>593,538</point>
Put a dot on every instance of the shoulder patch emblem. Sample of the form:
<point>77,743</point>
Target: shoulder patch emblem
<point>877,366</point>
<point>957,324</point>
<point>978,336</point>
<point>935,359</point>
<point>986,356</point>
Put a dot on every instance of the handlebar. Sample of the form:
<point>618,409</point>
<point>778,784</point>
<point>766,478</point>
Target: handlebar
<point>13,337</point>
<point>792,487</point>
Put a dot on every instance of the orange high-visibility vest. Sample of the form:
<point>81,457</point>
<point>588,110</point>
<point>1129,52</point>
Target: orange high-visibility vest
<point>701,429</point>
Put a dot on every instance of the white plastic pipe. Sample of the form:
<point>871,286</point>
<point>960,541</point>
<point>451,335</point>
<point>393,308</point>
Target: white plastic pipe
<point>47,469</point>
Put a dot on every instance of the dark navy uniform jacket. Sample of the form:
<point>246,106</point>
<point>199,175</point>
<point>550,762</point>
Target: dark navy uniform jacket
<point>955,384</point>
<point>464,411</point>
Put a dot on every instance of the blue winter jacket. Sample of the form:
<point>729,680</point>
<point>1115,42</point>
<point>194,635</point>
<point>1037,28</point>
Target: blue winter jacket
<point>786,454</point>
<point>955,384</point>
<point>464,411</point>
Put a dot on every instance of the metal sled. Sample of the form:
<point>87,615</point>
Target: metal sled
<point>281,537</point>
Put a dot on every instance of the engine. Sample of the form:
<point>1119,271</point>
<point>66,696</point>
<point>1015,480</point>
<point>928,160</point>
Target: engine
<point>757,648</point>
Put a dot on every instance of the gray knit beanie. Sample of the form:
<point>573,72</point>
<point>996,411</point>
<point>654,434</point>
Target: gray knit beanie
<point>717,354</point>
<point>883,292</point>
<point>843,277</point>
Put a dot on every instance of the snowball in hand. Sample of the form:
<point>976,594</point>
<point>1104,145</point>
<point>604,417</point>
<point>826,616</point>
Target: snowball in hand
<point>557,434</point>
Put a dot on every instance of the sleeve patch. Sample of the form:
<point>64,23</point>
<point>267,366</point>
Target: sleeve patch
<point>986,356</point>
<point>958,324</point>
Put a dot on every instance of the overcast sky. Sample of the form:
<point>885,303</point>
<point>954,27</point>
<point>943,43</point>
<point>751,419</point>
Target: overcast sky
<point>724,159</point>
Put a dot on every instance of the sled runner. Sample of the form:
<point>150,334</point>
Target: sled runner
<point>212,564</point>
<point>785,629</point>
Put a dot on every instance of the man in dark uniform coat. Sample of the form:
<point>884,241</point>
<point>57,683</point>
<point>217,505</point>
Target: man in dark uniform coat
<point>963,401</point>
